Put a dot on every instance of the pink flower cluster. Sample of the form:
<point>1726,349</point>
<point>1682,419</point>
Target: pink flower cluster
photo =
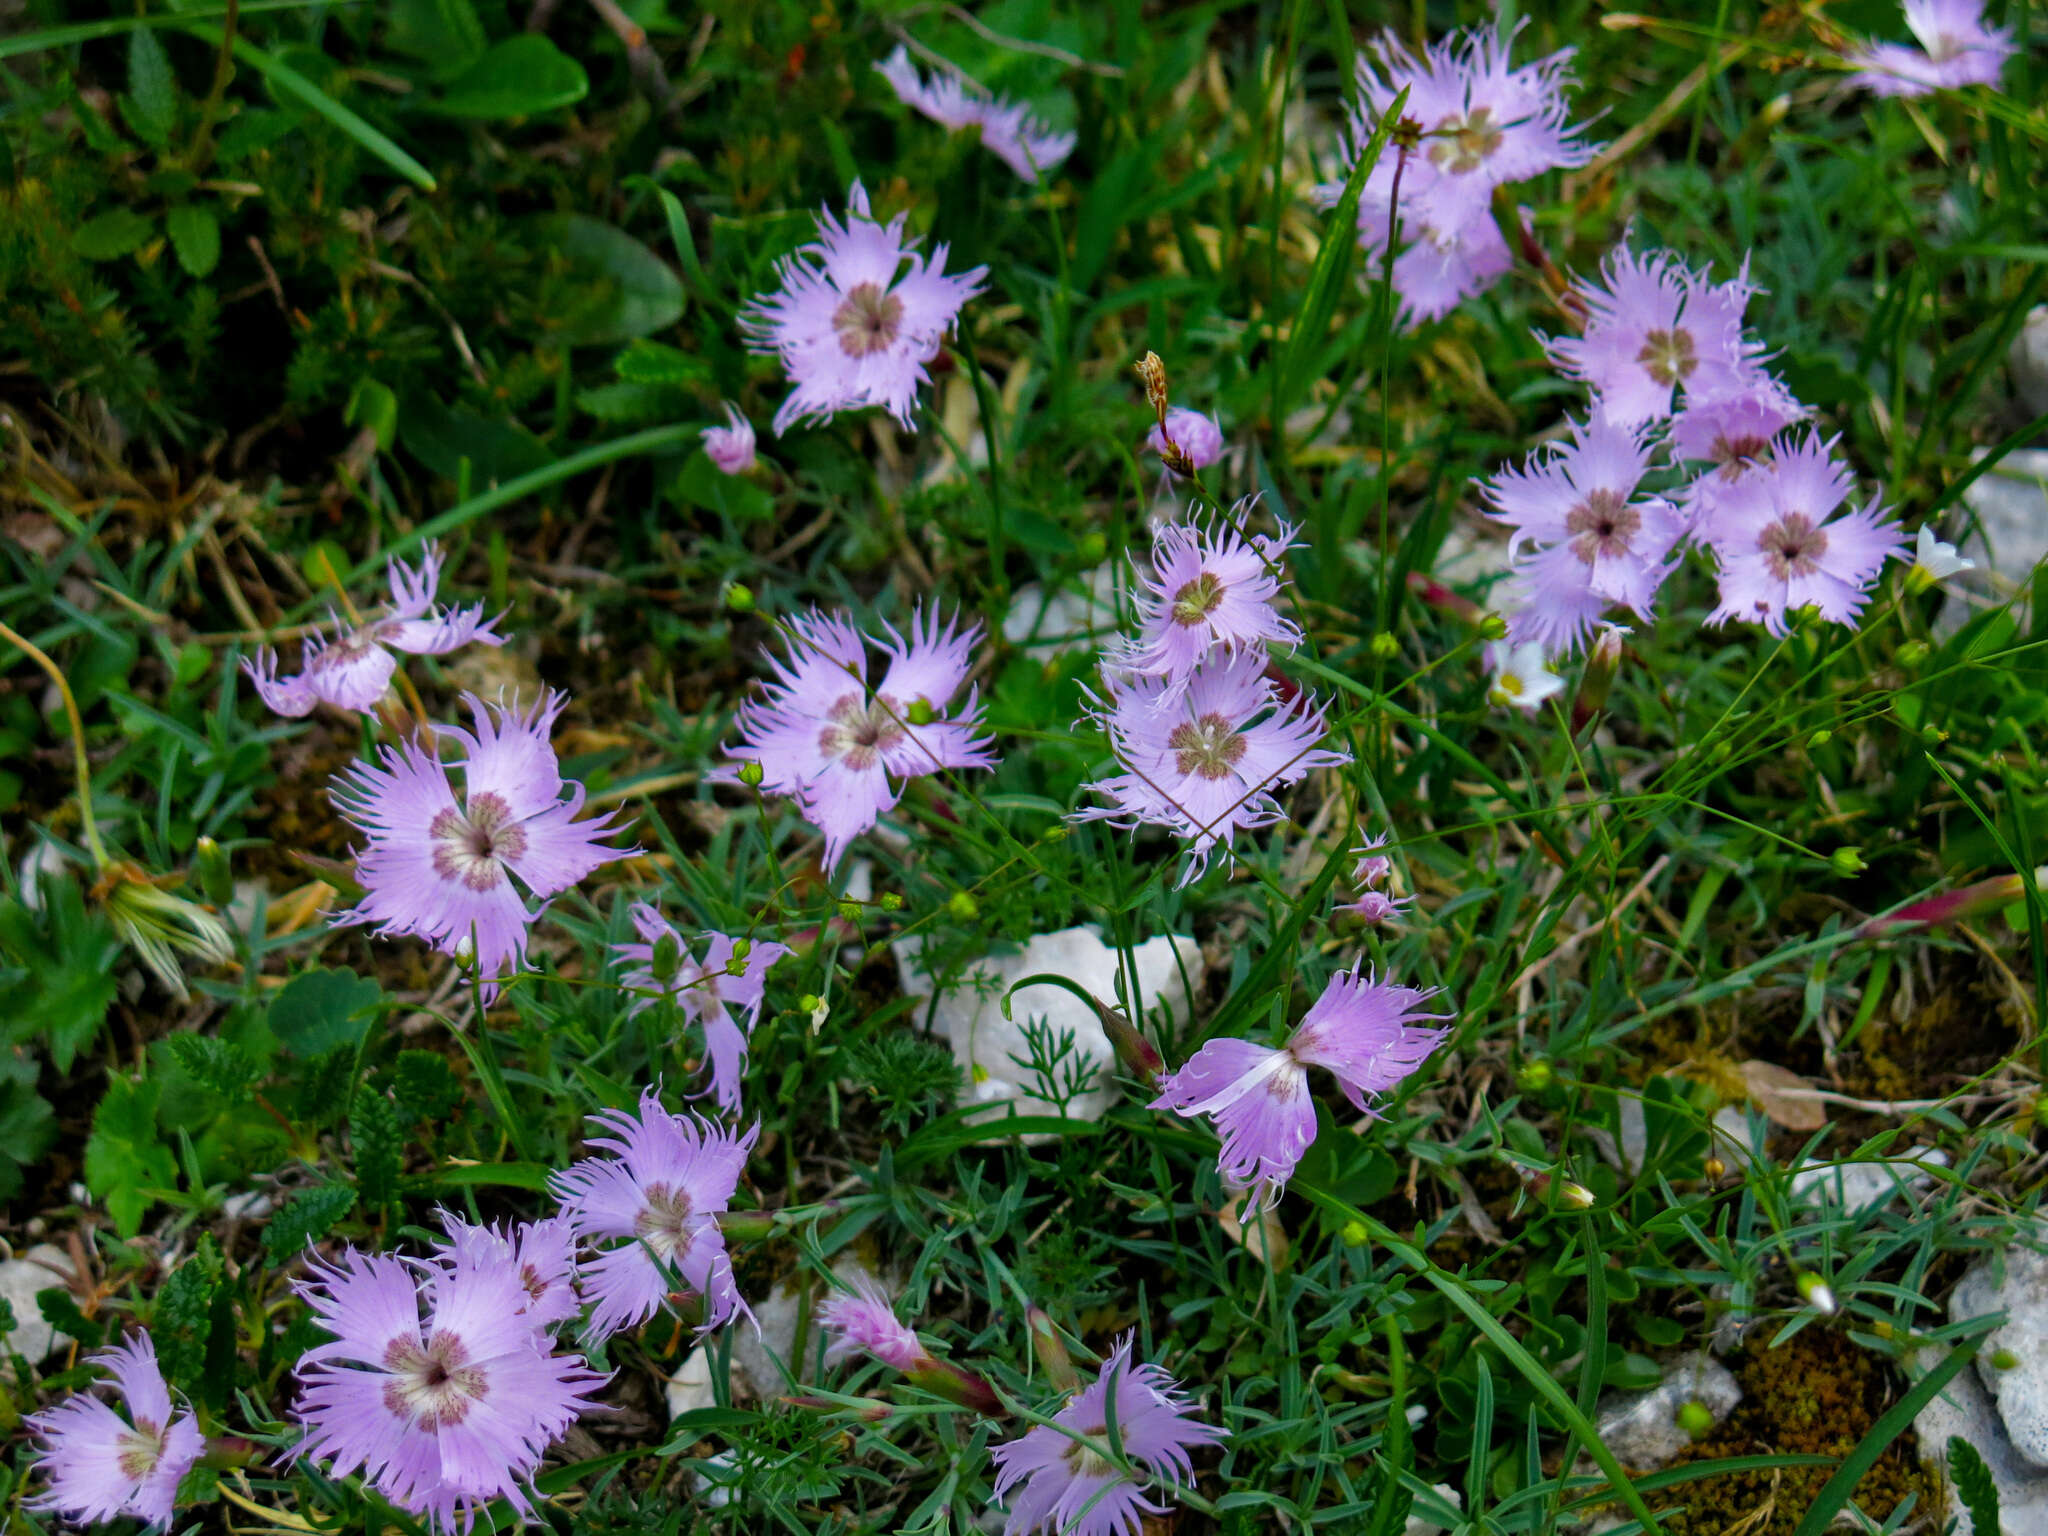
<point>1484,125</point>
<point>101,1465</point>
<point>1204,737</point>
<point>1678,387</point>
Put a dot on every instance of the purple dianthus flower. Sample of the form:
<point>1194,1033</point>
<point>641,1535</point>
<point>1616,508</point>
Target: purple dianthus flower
<point>1066,1479</point>
<point>354,669</point>
<point>651,1211</point>
<point>442,869</point>
<point>862,1321</point>
<point>1372,904</point>
<point>541,1253</point>
<point>1365,1033</point>
<point>1194,433</point>
<point>1208,587</point>
<point>1203,758</point>
<point>1956,49</point>
<point>730,447</point>
<point>1780,547</point>
<point>1009,131</point>
<point>823,739</point>
<point>1732,435</point>
<point>853,327</point>
<point>100,1464</point>
<point>706,991</point>
<point>436,1383</point>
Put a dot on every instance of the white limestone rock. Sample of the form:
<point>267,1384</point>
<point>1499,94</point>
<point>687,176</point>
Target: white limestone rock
<point>1860,1188</point>
<point>1964,1409</point>
<point>1642,1428</point>
<point>989,1047</point>
<point>21,1277</point>
<point>1066,620</point>
<point>2014,1282</point>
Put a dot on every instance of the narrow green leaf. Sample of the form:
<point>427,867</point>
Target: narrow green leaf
<point>291,83</point>
<point>1333,264</point>
<point>1896,1421</point>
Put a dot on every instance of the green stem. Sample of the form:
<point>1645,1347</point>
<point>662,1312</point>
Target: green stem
<point>87,823</point>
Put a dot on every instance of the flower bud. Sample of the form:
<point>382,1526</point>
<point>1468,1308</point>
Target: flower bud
<point>1354,1234</point>
<point>2004,1360</point>
<point>808,1003</point>
<point>891,902</point>
<point>739,598</point>
<point>1933,735</point>
<point>1603,661</point>
<point>1847,862</point>
<point>751,775</point>
<point>747,1226</point>
<point>920,711</point>
<point>1714,1169</point>
<point>1139,1056</point>
<point>1819,739</point>
<point>668,958</point>
<point>945,1379</point>
<point>1815,1292</point>
<point>869,1410</point>
<point>1493,627</point>
<point>741,948</point>
<point>1385,646</point>
<point>216,879</point>
<point>1092,549</point>
<point>1911,654</point>
<point>962,907</point>
<point>1696,1419</point>
<point>1536,1076</point>
<point>1051,1350</point>
<point>850,911</point>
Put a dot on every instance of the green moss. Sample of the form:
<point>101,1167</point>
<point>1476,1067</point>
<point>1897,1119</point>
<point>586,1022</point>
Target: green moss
<point>1815,1395</point>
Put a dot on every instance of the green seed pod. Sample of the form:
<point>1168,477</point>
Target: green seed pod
<point>739,598</point>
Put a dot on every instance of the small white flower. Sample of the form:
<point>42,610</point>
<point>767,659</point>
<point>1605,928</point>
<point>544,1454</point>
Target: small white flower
<point>1522,678</point>
<point>1935,561</point>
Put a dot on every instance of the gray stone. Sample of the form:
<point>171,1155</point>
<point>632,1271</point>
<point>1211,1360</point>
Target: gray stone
<point>1046,626</point>
<point>2010,537</point>
<point>2028,360</point>
<point>2014,1282</point>
<point>1862,1187</point>
<point>1642,1428</point>
<point>20,1278</point>
<point>988,1046</point>
<point>1964,1409</point>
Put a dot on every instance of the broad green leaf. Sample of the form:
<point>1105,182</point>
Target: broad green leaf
<point>443,34</point>
<point>443,436</point>
<point>195,234</point>
<point>63,983</point>
<point>322,1010</point>
<point>123,1156</point>
<point>521,77</point>
<point>114,234</point>
<point>624,290</point>
<point>151,105</point>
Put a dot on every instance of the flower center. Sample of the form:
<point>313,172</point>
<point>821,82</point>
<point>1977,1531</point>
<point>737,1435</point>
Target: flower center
<point>139,1449</point>
<point>1086,1460</point>
<point>435,1386</point>
<point>529,1277</point>
<point>664,1221</point>
<point>475,848</point>
<point>1197,600</point>
<point>1668,356</point>
<point>1462,144</point>
<point>857,732</point>
<point>1738,455</point>
<point>1603,525</point>
<point>1792,546</point>
<point>867,320</point>
<point>1508,685</point>
<point>1208,746</point>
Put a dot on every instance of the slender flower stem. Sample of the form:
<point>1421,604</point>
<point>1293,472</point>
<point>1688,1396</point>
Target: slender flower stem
<point>83,763</point>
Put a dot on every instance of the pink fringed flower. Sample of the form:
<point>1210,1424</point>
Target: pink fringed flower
<point>1196,435</point>
<point>1733,436</point>
<point>852,329</point>
<point>1205,759</point>
<point>1658,328</point>
<point>1780,547</point>
<point>1485,125</point>
<point>1208,587</point>
<point>436,1383</point>
<point>651,1210</point>
<point>1594,543</point>
<point>1957,49</point>
<point>832,746</point>
<point>442,869</point>
<point>706,991</point>
<point>1066,1479</point>
<point>1011,132</point>
<point>354,670</point>
<point>731,447</point>
<point>862,1321</point>
<point>1365,1033</point>
<point>101,1465</point>
<point>1372,868</point>
<point>541,1253</point>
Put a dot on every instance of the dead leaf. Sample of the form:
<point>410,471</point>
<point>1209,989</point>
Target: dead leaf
<point>1783,1096</point>
<point>1264,1236</point>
